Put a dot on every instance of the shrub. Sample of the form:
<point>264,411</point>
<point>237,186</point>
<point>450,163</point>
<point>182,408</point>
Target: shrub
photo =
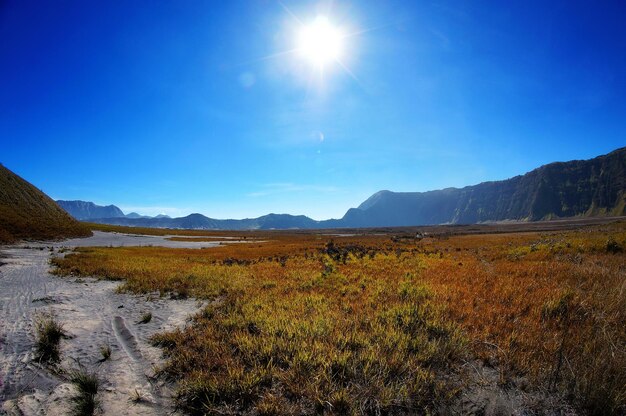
<point>613,246</point>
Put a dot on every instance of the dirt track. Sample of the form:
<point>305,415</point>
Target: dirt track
<point>93,315</point>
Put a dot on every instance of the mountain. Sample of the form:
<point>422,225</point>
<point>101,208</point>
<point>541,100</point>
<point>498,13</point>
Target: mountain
<point>28,213</point>
<point>134,215</point>
<point>82,210</point>
<point>200,222</point>
<point>595,187</point>
<point>579,188</point>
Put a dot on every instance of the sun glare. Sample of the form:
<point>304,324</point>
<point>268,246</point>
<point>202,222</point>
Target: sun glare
<point>320,42</point>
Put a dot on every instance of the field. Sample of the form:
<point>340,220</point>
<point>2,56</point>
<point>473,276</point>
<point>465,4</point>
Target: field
<point>381,322</point>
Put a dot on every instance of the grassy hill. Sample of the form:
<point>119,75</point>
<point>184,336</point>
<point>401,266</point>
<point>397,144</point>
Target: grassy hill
<point>27,213</point>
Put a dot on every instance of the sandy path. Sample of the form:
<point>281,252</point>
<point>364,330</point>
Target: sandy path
<point>93,315</point>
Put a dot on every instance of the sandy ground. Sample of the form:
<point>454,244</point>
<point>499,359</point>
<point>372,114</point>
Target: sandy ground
<point>92,315</point>
<point>120,240</point>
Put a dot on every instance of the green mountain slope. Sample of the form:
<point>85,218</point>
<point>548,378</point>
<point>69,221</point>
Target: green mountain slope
<point>28,213</point>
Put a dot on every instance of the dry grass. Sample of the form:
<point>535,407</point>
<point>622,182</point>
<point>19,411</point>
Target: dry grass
<point>146,317</point>
<point>550,307</point>
<point>49,333</point>
<point>87,385</point>
<point>374,324</point>
<point>105,352</point>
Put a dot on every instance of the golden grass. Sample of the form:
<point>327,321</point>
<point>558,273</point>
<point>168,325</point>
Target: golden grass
<point>373,324</point>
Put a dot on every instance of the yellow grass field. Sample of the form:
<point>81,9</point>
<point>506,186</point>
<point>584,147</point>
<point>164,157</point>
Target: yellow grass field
<point>306,323</point>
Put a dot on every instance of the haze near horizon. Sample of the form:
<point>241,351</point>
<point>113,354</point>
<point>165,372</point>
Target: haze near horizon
<point>241,109</point>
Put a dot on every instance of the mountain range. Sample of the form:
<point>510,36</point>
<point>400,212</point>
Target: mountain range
<point>579,188</point>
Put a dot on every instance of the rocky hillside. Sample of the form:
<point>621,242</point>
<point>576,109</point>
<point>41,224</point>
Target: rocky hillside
<point>29,214</point>
<point>83,210</point>
<point>595,187</point>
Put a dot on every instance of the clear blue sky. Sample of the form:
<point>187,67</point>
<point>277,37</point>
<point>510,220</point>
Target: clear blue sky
<point>190,106</point>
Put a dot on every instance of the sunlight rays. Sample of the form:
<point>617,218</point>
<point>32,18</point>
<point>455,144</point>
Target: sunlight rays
<point>319,44</point>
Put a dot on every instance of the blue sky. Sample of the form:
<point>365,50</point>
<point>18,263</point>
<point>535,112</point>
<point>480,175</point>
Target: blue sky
<point>181,107</point>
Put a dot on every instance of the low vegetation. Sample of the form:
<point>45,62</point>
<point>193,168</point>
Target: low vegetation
<point>379,324</point>
<point>49,333</point>
<point>105,352</point>
<point>87,384</point>
<point>136,396</point>
<point>145,318</point>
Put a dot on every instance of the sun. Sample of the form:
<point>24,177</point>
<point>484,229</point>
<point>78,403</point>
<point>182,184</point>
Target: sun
<point>320,42</point>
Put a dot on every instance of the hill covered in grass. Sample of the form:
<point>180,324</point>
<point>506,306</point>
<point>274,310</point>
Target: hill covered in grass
<point>27,213</point>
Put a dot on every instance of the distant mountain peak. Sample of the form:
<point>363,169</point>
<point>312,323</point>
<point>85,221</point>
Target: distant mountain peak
<point>84,210</point>
<point>372,200</point>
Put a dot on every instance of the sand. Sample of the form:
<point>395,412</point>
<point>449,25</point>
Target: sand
<point>121,240</point>
<point>92,315</point>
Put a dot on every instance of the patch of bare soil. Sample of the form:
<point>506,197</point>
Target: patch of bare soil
<point>485,391</point>
<point>93,316</point>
